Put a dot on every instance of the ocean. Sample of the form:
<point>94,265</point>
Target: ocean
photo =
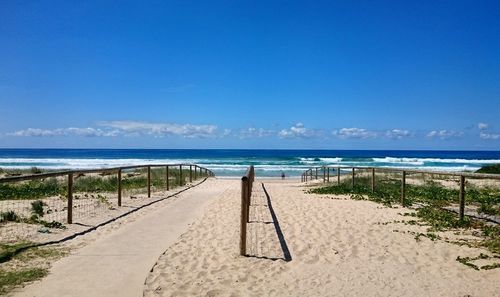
<point>268,163</point>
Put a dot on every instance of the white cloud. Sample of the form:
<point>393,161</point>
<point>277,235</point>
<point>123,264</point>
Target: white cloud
<point>297,131</point>
<point>162,129</point>
<point>358,133</point>
<point>398,133</point>
<point>127,128</point>
<point>482,126</point>
<point>255,133</point>
<point>85,132</point>
<point>489,136</point>
<point>445,134</point>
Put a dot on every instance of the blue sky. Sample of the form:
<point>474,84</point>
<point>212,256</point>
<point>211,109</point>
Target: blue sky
<point>250,74</point>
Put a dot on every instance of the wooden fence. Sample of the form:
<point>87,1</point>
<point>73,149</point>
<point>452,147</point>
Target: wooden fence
<point>246,196</point>
<point>194,171</point>
<point>313,173</point>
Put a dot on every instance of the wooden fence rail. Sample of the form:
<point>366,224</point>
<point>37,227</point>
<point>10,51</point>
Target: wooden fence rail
<point>246,196</point>
<point>118,170</point>
<point>462,175</point>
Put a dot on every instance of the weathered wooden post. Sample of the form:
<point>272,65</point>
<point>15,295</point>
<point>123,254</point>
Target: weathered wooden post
<point>324,174</point>
<point>328,174</point>
<point>311,171</point>
<point>462,198</point>
<point>316,172</point>
<point>181,181</point>
<point>149,181</point>
<point>119,187</point>
<point>373,179</point>
<point>190,174</point>
<point>353,177</point>
<point>70,198</point>
<point>338,175</point>
<point>168,178</point>
<point>244,215</point>
<point>195,169</point>
<point>403,188</point>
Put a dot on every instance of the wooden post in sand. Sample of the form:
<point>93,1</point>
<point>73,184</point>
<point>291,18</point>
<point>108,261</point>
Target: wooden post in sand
<point>462,198</point>
<point>311,173</point>
<point>119,187</point>
<point>168,181</point>
<point>373,180</point>
<point>181,181</point>
<point>403,188</point>
<point>328,174</point>
<point>190,173</point>
<point>324,174</point>
<point>149,181</point>
<point>195,168</point>
<point>338,176</point>
<point>316,172</point>
<point>244,215</point>
<point>70,198</point>
<point>353,177</point>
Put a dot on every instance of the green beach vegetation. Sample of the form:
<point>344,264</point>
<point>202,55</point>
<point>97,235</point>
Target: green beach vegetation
<point>131,180</point>
<point>433,201</point>
<point>17,268</point>
<point>493,168</point>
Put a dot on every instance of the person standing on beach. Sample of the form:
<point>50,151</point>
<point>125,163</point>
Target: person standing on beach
<point>282,175</point>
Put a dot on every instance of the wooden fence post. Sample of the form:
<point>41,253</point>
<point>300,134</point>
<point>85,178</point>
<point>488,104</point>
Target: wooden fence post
<point>190,174</point>
<point>373,179</point>
<point>195,169</point>
<point>181,181</point>
<point>324,174</point>
<point>119,187</point>
<point>311,171</point>
<point>462,198</point>
<point>353,177</point>
<point>403,188</point>
<point>243,221</point>
<point>168,181</point>
<point>316,172</point>
<point>338,175</point>
<point>149,181</point>
<point>70,198</point>
<point>328,174</point>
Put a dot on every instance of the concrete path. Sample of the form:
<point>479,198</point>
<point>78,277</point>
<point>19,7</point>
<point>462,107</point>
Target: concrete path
<point>117,264</point>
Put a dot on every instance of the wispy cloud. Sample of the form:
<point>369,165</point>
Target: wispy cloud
<point>354,133</point>
<point>127,128</point>
<point>298,131</point>
<point>398,133</point>
<point>489,136</point>
<point>84,132</point>
<point>445,134</point>
<point>161,129</point>
<point>255,133</point>
<point>485,134</point>
<point>482,126</point>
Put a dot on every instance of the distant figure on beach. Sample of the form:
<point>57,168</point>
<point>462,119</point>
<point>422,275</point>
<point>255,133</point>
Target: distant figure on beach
<point>282,175</point>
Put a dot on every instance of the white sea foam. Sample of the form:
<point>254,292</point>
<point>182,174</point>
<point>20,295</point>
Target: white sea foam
<point>422,161</point>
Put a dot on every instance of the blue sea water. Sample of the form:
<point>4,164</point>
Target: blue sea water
<point>269,163</point>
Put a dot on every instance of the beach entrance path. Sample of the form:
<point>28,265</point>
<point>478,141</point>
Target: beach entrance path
<point>118,262</point>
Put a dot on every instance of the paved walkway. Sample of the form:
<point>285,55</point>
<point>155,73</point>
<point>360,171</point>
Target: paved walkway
<point>117,264</point>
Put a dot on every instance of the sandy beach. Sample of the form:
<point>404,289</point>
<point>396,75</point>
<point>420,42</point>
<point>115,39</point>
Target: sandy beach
<point>331,246</point>
<point>338,246</point>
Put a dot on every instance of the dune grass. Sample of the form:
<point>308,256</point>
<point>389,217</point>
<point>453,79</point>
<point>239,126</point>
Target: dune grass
<point>92,183</point>
<point>493,168</point>
<point>28,265</point>
<point>433,197</point>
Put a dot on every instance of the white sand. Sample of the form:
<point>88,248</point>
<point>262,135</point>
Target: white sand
<point>338,248</point>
